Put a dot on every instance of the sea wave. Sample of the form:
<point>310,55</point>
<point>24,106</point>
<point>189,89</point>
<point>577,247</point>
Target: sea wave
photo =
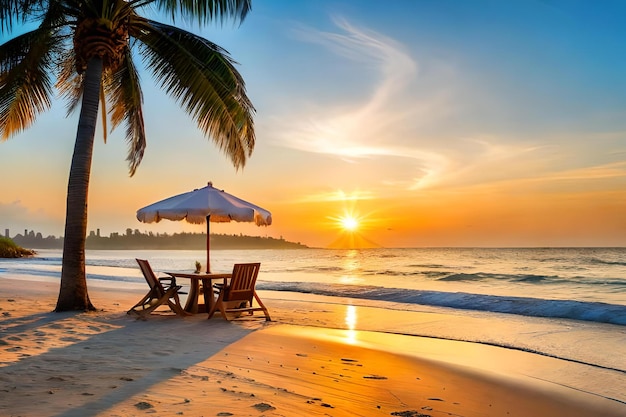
<point>527,279</point>
<point>603,262</point>
<point>526,306</point>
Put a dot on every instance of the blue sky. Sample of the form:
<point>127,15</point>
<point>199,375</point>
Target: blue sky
<point>435,123</point>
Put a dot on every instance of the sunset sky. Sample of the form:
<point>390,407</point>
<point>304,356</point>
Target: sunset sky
<point>430,123</point>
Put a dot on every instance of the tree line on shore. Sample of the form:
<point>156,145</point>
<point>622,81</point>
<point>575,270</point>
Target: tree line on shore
<point>135,239</point>
<point>10,249</point>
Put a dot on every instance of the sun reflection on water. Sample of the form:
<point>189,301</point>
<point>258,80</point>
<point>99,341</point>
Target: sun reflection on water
<point>351,264</point>
<point>350,320</point>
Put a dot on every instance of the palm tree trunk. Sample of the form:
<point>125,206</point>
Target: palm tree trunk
<point>73,293</point>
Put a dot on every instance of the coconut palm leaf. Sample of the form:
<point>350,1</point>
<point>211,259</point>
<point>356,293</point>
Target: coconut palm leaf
<point>26,89</point>
<point>124,93</point>
<point>69,82</point>
<point>16,11</point>
<point>202,78</point>
<point>204,11</point>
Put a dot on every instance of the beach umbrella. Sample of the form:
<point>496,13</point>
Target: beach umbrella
<point>202,205</point>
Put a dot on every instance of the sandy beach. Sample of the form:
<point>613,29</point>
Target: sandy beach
<point>305,362</point>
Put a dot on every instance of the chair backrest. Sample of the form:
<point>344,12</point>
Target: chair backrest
<point>150,277</point>
<point>242,282</point>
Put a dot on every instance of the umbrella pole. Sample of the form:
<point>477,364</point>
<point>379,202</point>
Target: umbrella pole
<point>208,244</point>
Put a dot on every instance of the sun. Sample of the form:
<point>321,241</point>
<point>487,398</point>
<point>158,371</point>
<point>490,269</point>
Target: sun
<point>349,223</point>
<point>350,226</point>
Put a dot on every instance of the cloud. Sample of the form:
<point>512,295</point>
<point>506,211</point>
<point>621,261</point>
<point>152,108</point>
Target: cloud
<point>396,66</point>
<point>358,130</point>
<point>338,195</point>
<point>377,127</point>
<point>417,125</point>
<point>16,217</point>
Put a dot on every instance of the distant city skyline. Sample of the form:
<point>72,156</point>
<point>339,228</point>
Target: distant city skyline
<point>97,233</point>
<point>134,239</point>
<point>408,123</point>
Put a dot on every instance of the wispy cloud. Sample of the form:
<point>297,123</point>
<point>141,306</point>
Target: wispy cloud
<point>413,116</point>
<point>396,66</point>
<point>337,195</point>
<point>376,127</point>
<point>18,214</point>
<point>615,170</point>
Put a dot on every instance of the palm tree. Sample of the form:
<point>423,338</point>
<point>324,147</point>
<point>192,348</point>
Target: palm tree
<point>88,46</point>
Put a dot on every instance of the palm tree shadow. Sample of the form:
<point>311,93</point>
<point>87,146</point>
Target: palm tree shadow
<point>19,324</point>
<point>94,372</point>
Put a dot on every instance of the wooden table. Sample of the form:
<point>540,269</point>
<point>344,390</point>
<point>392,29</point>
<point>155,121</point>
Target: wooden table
<point>192,305</point>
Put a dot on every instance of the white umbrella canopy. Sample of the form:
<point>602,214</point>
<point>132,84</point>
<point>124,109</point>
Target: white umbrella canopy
<point>202,205</point>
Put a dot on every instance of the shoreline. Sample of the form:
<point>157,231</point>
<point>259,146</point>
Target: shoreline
<point>301,363</point>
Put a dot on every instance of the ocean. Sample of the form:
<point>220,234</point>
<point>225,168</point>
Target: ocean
<point>568,303</point>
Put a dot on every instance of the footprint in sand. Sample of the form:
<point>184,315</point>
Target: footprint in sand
<point>142,405</point>
<point>374,377</point>
<point>263,407</point>
<point>69,339</point>
<point>409,413</point>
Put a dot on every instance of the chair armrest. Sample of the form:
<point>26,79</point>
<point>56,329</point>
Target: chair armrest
<point>172,284</point>
<point>168,282</point>
<point>219,286</point>
<point>171,279</point>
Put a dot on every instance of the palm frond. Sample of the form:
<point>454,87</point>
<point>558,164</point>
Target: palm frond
<point>204,11</point>
<point>69,82</point>
<point>202,78</point>
<point>103,113</point>
<point>124,94</point>
<point>26,62</point>
<point>17,11</point>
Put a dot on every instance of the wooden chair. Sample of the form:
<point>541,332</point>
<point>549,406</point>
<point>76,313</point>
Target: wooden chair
<point>158,295</point>
<point>236,296</point>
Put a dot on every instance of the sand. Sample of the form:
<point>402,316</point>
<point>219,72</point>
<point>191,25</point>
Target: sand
<point>107,363</point>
